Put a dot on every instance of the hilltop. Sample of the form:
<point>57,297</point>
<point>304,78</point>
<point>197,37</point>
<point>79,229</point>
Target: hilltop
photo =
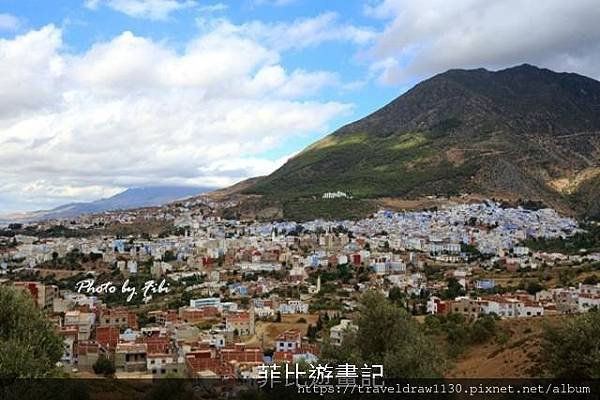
<point>520,133</point>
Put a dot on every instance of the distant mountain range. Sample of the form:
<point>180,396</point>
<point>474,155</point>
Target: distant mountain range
<point>519,133</point>
<point>128,199</point>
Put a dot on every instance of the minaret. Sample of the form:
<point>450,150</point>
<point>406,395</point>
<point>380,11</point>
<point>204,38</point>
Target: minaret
<point>318,283</point>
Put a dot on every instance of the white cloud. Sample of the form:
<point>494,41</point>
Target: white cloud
<point>148,9</point>
<point>297,34</point>
<point>30,66</point>
<point>9,22</point>
<point>131,111</point>
<point>209,8</point>
<point>426,37</point>
<point>277,3</point>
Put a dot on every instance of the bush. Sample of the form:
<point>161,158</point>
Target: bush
<point>389,335</point>
<point>483,329</point>
<point>103,366</point>
<point>29,345</point>
<point>572,350</point>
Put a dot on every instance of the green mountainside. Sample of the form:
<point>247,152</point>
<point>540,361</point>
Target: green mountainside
<point>519,133</point>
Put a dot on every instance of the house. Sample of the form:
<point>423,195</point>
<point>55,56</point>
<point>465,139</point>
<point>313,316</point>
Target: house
<point>107,336</point>
<point>585,302</point>
<point>288,341</point>
<point>205,364</point>
<point>240,354</point>
<point>435,305</point>
<point>88,352</point>
<point>119,318</point>
<point>43,295</point>
<point>69,335</point>
<point>206,302</point>
<point>160,365</point>
<point>466,306</point>
<point>485,284</point>
<point>82,320</point>
<point>194,315</point>
<point>531,309</point>
<point>242,322</point>
<point>337,332</point>
<point>511,307</point>
<point>131,357</point>
<point>293,307</point>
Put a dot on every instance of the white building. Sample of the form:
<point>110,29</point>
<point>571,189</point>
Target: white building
<point>337,333</point>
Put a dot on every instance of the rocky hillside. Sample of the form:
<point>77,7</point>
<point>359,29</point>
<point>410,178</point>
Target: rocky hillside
<point>519,133</point>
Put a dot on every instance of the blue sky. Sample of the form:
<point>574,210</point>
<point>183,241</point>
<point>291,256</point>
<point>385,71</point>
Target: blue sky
<point>100,95</point>
<point>82,27</point>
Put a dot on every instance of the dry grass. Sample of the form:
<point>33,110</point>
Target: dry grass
<point>518,357</point>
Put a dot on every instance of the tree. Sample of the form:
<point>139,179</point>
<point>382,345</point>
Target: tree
<point>572,349</point>
<point>396,295</point>
<point>454,289</point>
<point>388,335</point>
<point>103,366</point>
<point>483,329</point>
<point>311,332</point>
<point>319,323</point>
<point>29,345</point>
<point>533,287</point>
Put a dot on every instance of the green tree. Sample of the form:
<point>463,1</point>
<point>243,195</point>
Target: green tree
<point>483,329</point>
<point>572,349</point>
<point>533,287</point>
<point>103,366</point>
<point>29,345</point>
<point>396,295</point>
<point>454,289</point>
<point>387,334</point>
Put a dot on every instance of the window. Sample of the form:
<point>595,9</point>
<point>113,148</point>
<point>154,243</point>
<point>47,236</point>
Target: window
<point>151,361</point>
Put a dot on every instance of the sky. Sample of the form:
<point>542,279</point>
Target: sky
<point>100,95</point>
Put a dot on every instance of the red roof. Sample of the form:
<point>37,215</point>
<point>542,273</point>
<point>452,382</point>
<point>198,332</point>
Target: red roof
<point>107,336</point>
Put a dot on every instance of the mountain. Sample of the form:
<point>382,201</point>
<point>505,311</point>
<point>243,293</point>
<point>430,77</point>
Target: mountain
<point>519,133</point>
<point>128,199</point>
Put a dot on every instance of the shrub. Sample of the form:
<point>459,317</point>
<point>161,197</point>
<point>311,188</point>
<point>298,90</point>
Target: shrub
<point>103,366</point>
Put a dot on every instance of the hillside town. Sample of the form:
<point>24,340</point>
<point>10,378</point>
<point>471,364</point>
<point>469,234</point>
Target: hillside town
<point>217,298</point>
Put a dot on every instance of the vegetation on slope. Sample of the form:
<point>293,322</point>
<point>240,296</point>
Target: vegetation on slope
<point>389,335</point>
<point>572,350</point>
<point>516,133</point>
<point>588,241</point>
<point>29,346</point>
